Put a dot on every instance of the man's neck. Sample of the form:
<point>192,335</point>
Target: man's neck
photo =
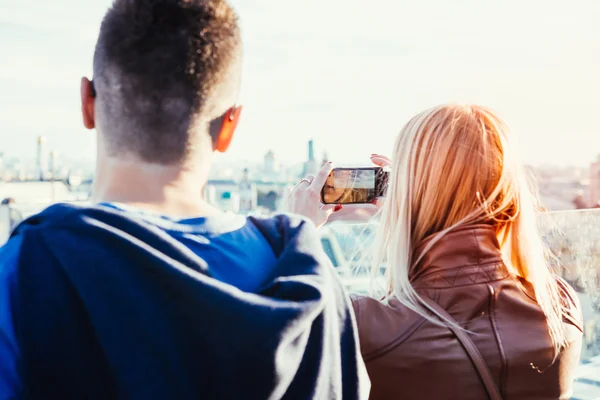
<point>168,190</point>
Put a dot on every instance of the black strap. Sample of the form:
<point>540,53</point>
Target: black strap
<point>472,351</point>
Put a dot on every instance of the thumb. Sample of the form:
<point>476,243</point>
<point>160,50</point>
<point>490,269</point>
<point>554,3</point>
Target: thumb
<point>326,211</point>
<point>328,208</point>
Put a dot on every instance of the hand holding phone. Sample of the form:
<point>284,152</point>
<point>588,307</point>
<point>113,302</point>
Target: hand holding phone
<point>354,185</point>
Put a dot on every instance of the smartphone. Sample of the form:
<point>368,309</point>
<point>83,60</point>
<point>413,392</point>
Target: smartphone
<point>354,185</point>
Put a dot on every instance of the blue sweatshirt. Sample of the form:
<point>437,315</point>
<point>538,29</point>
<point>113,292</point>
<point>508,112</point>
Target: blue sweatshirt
<point>104,304</point>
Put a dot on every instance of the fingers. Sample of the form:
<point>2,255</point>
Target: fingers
<point>319,180</point>
<point>380,160</point>
<point>308,180</point>
<point>306,198</point>
<point>305,182</point>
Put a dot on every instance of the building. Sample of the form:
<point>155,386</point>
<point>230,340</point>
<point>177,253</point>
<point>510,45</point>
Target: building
<point>53,167</point>
<point>247,193</point>
<point>269,165</point>
<point>594,187</point>
<point>33,196</point>
<point>210,195</point>
<point>230,201</point>
<point>41,159</point>
<point>310,166</point>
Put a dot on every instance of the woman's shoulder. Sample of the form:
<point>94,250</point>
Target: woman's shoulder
<point>381,324</point>
<point>367,307</point>
<point>361,302</point>
<point>571,304</point>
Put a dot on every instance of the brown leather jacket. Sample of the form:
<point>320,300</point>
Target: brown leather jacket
<point>408,357</point>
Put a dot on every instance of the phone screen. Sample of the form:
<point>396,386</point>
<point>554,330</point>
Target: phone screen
<point>354,185</point>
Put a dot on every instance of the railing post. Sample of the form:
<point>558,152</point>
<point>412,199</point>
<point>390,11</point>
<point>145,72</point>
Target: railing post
<point>4,224</point>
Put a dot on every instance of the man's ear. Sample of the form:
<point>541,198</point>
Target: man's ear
<point>230,122</point>
<point>88,97</point>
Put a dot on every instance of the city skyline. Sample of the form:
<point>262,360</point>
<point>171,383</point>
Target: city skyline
<point>269,163</point>
<point>350,85</point>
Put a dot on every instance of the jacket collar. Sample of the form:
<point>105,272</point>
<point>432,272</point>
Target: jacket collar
<point>465,256</point>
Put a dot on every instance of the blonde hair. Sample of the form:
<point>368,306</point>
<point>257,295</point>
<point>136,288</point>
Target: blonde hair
<point>455,165</point>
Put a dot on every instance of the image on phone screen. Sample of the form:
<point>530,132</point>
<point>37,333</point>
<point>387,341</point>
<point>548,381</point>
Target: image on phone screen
<point>354,185</point>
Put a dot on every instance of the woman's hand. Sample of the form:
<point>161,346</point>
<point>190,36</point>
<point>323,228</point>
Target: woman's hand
<point>305,199</point>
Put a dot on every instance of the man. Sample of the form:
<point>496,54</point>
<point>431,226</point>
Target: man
<point>152,293</point>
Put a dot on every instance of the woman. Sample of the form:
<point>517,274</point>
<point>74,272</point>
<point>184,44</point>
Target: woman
<point>462,257</point>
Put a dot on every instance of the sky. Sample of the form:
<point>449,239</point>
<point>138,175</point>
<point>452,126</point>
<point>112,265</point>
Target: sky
<point>347,73</point>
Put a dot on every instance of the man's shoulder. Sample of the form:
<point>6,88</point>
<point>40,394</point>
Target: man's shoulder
<point>36,237</point>
<point>68,216</point>
<point>53,216</point>
<point>284,225</point>
<point>286,220</point>
<point>62,212</point>
<point>284,229</point>
<point>67,227</point>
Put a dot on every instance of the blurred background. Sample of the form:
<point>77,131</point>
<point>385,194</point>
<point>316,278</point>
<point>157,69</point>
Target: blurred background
<point>333,80</point>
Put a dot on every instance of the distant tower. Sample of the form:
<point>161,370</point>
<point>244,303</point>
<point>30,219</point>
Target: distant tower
<point>42,158</point>
<point>210,195</point>
<point>310,166</point>
<point>269,164</point>
<point>311,150</point>
<point>53,167</point>
<point>247,192</point>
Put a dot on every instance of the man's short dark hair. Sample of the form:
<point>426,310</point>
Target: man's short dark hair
<point>163,69</point>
